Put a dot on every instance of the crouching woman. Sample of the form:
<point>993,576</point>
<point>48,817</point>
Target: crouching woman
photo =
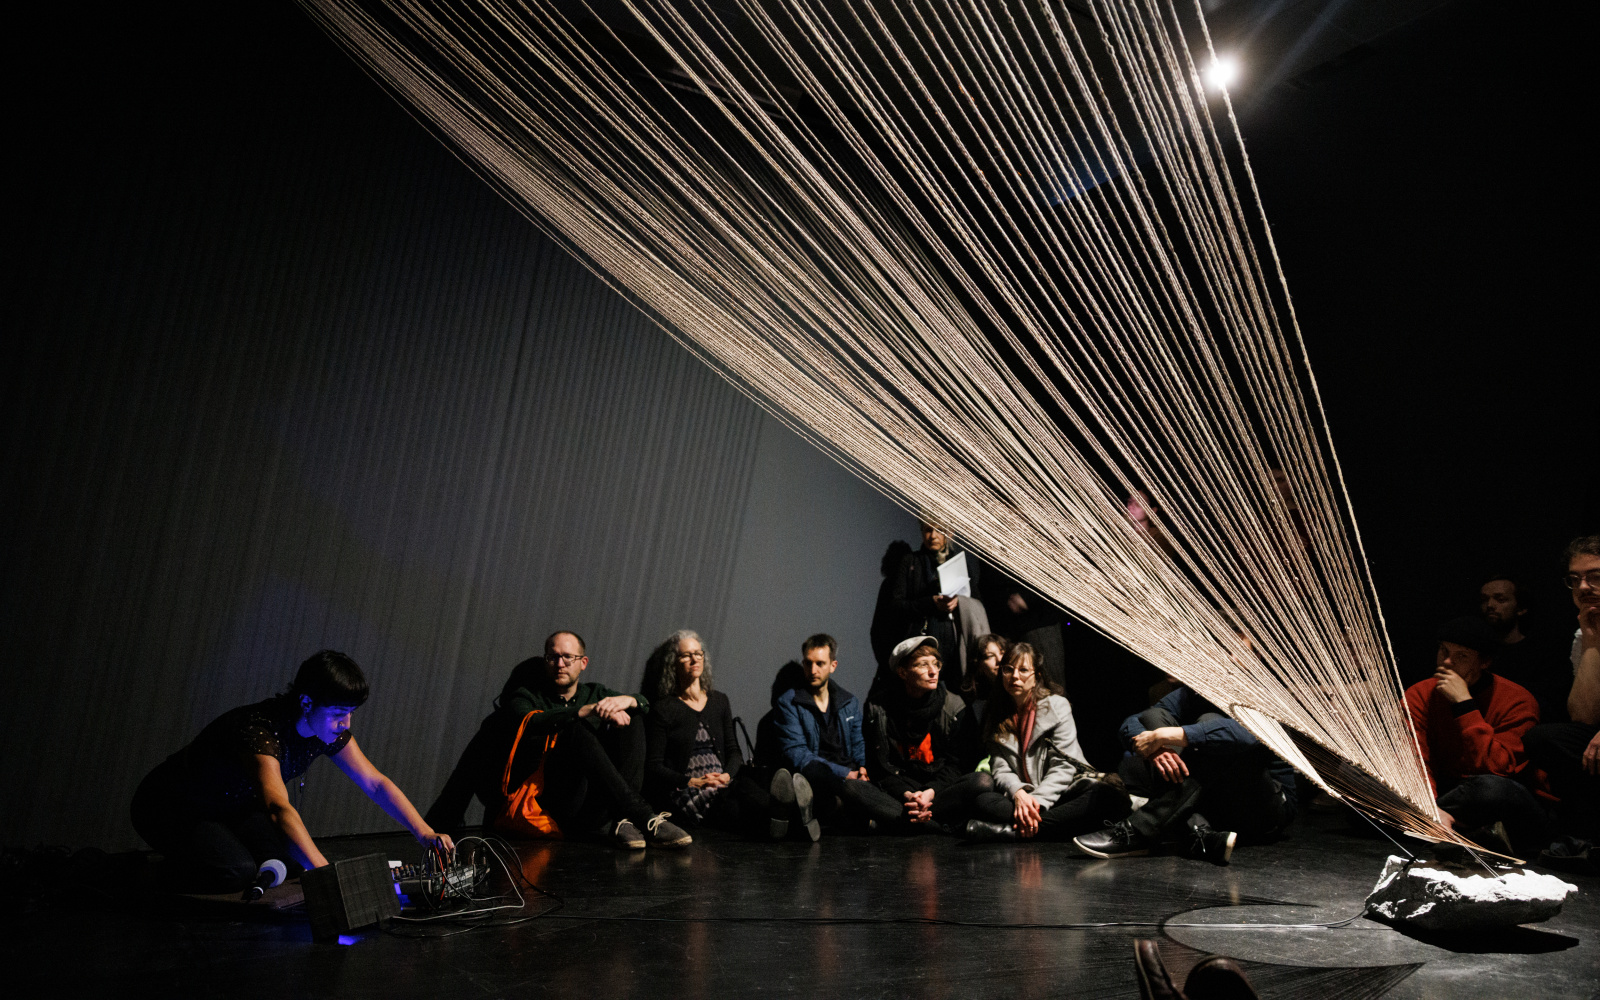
<point>220,806</point>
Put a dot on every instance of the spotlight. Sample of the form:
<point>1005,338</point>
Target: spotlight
<point>1222,72</point>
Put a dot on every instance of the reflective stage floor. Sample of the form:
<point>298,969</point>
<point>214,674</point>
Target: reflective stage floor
<point>719,920</point>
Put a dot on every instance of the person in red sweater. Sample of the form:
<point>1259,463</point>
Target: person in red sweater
<point>1470,725</point>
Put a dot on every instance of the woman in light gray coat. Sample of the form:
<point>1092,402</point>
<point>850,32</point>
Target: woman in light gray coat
<point>1045,788</point>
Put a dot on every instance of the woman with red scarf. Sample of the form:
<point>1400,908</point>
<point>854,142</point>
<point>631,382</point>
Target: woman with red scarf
<point>1045,788</point>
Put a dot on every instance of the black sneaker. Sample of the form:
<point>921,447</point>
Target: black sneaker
<point>1571,854</point>
<point>782,790</point>
<point>1201,841</point>
<point>1117,840</point>
<point>1492,838</point>
<point>664,834</point>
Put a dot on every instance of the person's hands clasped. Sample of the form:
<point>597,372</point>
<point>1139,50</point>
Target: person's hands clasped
<point>859,774</point>
<point>613,709</point>
<point>1025,813</point>
<point>1451,686</point>
<point>919,806</point>
<point>718,779</point>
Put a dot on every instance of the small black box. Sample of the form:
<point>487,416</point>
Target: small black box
<point>349,894</point>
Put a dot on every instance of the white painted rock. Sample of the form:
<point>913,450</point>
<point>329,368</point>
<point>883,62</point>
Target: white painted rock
<point>1433,900</point>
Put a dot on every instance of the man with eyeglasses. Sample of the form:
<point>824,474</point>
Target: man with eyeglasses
<point>578,741</point>
<point>1570,751</point>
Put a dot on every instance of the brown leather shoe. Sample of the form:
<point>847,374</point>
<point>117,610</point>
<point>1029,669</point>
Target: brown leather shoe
<point>1219,978</point>
<point>1155,983</point>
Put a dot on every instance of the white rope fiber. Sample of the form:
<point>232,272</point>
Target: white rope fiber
<point>992,256</point>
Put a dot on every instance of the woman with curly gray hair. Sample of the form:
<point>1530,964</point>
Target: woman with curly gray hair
<point>692,756</point>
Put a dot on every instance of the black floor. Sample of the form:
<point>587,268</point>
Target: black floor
<point>109,942</point>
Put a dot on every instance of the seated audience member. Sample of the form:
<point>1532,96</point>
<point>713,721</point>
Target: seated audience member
<point>218,808</point>
<point>578,745</point>
<point>983,680</point>
<point>1192,762</point>
<point>1045,788</point>
<point>824,756</point>
<point>1024,615</point>
<point>923,609</point>
<point>1470,725</point>
<point>887,626</point>
<point>913,741</point>
<point>692,762</point>
<point>1570,751</point>
<point>1538,666</point>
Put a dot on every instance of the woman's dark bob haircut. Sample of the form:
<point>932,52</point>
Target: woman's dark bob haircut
<point>330,678</point>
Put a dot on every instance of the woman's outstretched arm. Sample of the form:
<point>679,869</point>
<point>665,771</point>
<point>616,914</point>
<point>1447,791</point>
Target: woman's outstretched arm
<point>388,795</point>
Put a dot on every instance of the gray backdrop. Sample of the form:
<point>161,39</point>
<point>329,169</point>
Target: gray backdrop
<point>289,377</point>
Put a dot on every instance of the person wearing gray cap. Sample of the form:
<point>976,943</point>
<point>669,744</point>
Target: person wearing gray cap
<point>1470,724</point>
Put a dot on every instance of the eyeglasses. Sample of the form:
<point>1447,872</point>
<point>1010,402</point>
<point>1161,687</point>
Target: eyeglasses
<point>1592,578</point>
<point>698,654</point>
<point>563,657</point>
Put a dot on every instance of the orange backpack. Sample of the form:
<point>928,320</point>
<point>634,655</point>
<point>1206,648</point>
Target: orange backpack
<point>521,815</point>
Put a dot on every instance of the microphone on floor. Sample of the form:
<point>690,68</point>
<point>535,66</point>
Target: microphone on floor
<point>272,873</point>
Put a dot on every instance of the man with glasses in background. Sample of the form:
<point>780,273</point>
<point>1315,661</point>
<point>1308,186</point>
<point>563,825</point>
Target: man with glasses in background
<point>1569,752</point>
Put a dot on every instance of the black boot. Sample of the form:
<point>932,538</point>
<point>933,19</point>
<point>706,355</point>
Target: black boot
<point>782,791</point>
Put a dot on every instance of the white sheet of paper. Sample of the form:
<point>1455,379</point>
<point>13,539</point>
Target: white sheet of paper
<point>953,578</point>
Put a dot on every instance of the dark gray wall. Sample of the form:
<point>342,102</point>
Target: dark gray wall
<point>289,377</point>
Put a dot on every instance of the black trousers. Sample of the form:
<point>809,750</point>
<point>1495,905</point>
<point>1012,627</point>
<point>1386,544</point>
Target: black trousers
<point>1482,799</point>
<point>1231,791</point>
<point>205,854</point>
<point>1557,748</point>
<point>478,772</point>
<point>592,780</point>
<point>1086,807</point>
<point>839,798</point>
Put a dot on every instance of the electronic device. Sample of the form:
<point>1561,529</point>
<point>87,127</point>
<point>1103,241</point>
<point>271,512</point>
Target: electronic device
<point>348,895</point>
<point>438,879</point>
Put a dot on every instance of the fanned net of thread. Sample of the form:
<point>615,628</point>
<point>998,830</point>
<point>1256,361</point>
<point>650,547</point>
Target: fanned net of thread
<point>1005,261</point>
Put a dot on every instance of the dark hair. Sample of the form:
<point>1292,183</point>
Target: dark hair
<point>822,639</point>
<point>583,647</point>
<point>969,683</point>
<point>661,672</point>
<point>1516,587</point>
<point>1583,545</point>
<point>893,556</point>
<point>330,678</point>
<point>998,718</point>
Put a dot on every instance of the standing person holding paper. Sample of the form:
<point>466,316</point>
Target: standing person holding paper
<point>937,592</point>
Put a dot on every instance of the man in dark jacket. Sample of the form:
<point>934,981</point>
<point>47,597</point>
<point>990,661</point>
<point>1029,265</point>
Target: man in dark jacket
<point>1185,756</point>
<point>820,742</point>
<point>915,740</point>
<point>594,769</point>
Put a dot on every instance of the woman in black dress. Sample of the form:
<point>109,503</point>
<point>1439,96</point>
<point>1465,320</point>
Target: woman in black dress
<point>220,806</point>
<point>692,760</point>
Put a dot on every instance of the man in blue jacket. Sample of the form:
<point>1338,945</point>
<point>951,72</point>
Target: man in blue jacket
<point>1185,756</point>
<point>820,741</point>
